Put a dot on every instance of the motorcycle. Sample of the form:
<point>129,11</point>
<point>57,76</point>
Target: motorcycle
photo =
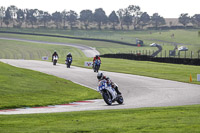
<point>108,93</point>
<point>68,62</point>
<point>55,59</point>
<point>96,65</point>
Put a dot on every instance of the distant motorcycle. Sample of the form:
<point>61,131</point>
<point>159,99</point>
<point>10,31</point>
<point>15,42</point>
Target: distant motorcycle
<point>68,62</point>
<point>55,59</point>
<point>108,93</point>
<point>96,65</point>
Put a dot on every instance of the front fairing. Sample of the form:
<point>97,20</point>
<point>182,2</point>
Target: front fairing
<point>97,62</point>
<point>104,87</point>
<point>55,57</point>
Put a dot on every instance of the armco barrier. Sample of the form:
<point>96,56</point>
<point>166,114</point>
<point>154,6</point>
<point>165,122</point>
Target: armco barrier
<point>186,61</point>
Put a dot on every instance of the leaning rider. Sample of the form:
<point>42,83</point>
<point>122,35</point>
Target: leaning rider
<point>100,77</point>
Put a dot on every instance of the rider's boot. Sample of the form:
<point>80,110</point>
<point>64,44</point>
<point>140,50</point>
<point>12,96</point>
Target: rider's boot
<point>118,92</point>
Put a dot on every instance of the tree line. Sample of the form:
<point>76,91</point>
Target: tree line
<point>121,19</point>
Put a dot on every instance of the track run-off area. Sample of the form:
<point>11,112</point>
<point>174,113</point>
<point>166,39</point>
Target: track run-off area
<point>138,91</point>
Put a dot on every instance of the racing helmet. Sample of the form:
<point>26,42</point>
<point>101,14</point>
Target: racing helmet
<point>100,75</point>
<point>97,56</point>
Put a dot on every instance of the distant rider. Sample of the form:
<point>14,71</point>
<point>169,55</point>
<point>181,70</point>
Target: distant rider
<point>100,77</point>
<point>69,55</point>
<point>54,54</point>
<point>96,58</point>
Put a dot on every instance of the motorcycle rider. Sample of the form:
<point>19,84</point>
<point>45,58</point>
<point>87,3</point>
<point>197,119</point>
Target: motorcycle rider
<point>69,55</point>
<point>96,58</point>
<point>100,77</point>
<point>54,54</point>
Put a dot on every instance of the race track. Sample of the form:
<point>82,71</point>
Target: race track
<point>138,91</point>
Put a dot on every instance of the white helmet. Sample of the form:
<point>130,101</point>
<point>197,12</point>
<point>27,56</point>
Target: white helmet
<point>100,75</point>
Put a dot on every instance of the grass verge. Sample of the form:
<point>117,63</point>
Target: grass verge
<point>176,72</point>
<point>182,119</point>
<point>27,88</point>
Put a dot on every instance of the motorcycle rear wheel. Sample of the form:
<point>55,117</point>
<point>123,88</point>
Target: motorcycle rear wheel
<point>120,100</point>
<point>107,98</point>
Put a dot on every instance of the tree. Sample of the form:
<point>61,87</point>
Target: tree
<point>20,17</point>
<point>135,12</point>
<point>120,14</point>
<point>13,12</point>
<point>144,19</point>
<point>57,18</point>
<point>100,17</point>
<point>25,15</point>
<point>157,20</point>
<point>31,16</point>
<point>196,19</point>
<point>64,18</point>
<point>2,14</point>
<point>184,19</point>
<point>44,17</point>
<point>127,18</point>
<point>72,17</point>
<point>86,16</point>
<point>113,19</point>
<point>7,17</point>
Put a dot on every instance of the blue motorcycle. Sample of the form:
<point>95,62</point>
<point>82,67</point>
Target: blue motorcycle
<point>68,62</point>
<point>96,65</point>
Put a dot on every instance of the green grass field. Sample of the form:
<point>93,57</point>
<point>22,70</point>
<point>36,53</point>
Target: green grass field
<point>189,38</point>
<point>180,36</point>
<point>26,88</point>
<point>183,119</point>
<point>176,72</point>
<point>102,47</point>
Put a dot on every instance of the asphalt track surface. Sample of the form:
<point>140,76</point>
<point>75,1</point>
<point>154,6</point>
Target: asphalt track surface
<point>138,91</point>
<point>88,51</point>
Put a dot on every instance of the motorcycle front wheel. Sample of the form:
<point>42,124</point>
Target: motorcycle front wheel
<point>68,65</point>
<point>107,98</point>
<point>54,62</point>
